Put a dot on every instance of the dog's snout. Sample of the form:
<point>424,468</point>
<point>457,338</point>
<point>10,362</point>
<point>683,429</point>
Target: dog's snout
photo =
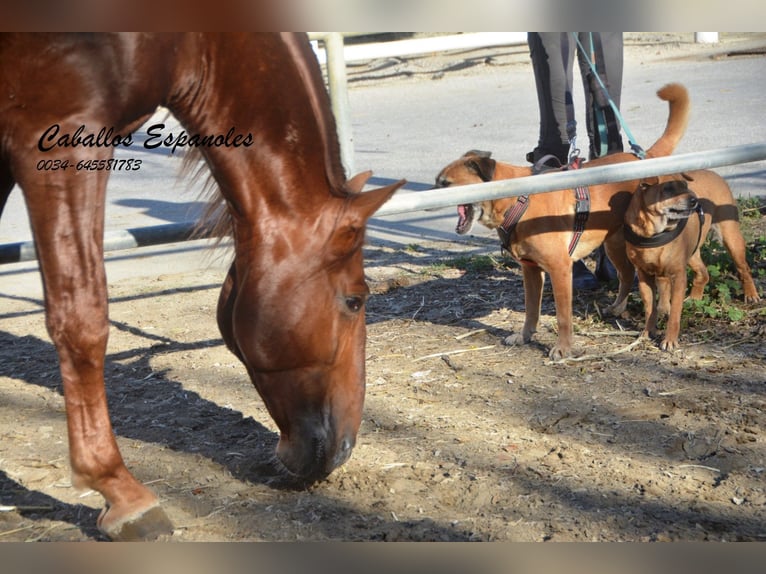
<point>675,187</point>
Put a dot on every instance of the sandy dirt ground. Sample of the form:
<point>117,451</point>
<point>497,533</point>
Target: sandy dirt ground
<point>463,439</point>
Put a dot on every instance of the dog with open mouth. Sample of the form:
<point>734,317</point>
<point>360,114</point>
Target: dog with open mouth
<point>666,223</point>
<point>548,232</point>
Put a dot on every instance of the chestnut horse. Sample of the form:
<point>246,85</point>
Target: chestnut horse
<point>292,306</point>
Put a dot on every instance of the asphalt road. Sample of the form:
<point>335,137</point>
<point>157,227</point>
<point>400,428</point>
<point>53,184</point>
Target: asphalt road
<point>411,116</point>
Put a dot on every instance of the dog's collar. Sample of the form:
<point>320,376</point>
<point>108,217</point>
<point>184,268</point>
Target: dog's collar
<point>665,237</point>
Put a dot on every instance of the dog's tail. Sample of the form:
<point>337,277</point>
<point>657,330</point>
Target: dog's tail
<point>678,116</point>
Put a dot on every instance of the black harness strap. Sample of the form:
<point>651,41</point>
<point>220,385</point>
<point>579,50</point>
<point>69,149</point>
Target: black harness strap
<point>664,237</point>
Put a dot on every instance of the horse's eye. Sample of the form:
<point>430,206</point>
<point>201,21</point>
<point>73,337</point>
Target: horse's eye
<point>354,303</point>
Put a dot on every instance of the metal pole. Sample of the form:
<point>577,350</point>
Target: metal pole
<point>428,45</point>
<point>446,197</point>
<point>115,240</point>
<point>338,83</point>
<point>706,37</point>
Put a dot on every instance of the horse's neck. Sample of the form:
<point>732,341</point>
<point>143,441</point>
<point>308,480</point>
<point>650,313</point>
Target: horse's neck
<point>260,85</point>
<point>275,96</point>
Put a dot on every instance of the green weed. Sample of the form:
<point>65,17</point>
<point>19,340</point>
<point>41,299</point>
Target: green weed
<point>723,294</point>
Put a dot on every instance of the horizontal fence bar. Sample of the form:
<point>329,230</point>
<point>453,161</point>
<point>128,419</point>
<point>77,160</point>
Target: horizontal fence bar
<point>446,197</point>
<point>419,46</point>
<point>114,240</point>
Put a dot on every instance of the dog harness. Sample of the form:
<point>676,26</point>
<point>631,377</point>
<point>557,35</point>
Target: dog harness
<point>517,210</point>
<point>582,208</point>
<point>664,237</point>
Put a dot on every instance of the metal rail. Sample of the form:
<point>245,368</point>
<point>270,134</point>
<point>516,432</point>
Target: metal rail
<point>438,198</point>
<point>114,240</point>
<point>433,199</point>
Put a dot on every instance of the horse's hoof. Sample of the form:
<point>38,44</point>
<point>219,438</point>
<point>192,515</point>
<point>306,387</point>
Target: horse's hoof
<point>149,524</point>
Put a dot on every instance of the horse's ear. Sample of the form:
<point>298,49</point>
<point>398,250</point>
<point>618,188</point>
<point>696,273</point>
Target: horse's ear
<point>356,183</point>
<point>369,202</point>
<point>349,234</point>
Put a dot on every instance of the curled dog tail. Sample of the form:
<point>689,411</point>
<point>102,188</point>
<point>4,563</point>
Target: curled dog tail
<point>678,116</point>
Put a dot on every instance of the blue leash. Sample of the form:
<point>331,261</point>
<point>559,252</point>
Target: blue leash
<point>637,149</point>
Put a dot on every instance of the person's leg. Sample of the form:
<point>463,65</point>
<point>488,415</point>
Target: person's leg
<point>552,55</point>
<point>605,50</point>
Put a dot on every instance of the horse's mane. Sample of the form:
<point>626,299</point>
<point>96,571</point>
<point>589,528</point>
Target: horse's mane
<point>216,220</point>
<point>305,60</point>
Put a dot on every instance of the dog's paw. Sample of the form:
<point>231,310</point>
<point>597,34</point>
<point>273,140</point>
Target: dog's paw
<point>696,293</point>
<point>650,334</point>
<point>669,345</point>
<point>617,309</point>
<point>558,352</point>
<point>515,340</point>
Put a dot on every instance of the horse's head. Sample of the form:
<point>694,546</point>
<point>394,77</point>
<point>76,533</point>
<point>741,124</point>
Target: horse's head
<point>294,314</point>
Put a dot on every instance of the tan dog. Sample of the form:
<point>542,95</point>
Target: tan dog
<point>665,225</point>
<point>541,239</point>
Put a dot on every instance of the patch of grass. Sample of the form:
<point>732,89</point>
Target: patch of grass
<point>751,207</point>
<point>479,264</point>
<point>474,264</point>
<point>723,294</point>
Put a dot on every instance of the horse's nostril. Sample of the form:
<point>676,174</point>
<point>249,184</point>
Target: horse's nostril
<point>344,452</point>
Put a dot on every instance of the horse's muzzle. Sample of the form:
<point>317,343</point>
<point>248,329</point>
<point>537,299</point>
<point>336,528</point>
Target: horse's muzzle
<point>343,453</point>
<point>312,455</point>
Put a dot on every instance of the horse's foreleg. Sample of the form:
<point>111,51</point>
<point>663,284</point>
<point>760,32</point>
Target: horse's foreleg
<point>67,221</point>
<point>6,185</point>
<point>225,313</point>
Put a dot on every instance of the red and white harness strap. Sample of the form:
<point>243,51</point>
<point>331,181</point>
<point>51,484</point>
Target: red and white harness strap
<point>582,211</point>
<point>516,212</point>
<point>512,217</point>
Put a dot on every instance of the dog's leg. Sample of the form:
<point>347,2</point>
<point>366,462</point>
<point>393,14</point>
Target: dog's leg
<point>735,245</point>
<point>561,281</point>
<point>678,288</point>
<point>701,276</point>
<point>534,277</point>
<point>647,289</point>
<point>664,293</point>
<point>615,250</point>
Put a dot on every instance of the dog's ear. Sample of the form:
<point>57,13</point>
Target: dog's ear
<point>477,153</point>
<point>687,177</point>
<point>483,166</point>
<point>648,182</point>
